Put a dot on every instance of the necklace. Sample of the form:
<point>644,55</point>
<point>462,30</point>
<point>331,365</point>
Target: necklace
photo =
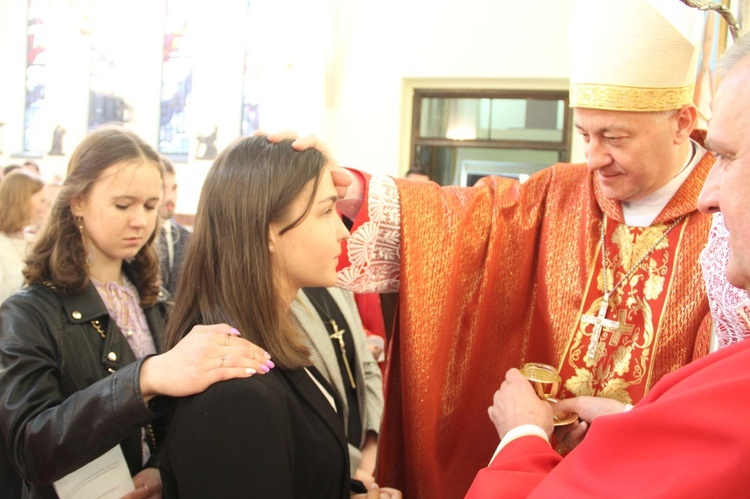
<point>599,321</point>
<point>336,333</point>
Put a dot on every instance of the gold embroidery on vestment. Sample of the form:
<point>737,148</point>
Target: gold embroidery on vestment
<point>611,373</point>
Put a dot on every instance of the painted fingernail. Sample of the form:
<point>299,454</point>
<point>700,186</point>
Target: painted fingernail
<point>269,363</point>
<point>250,371</point>
<point>268,355</point>
<point>234,331</point>
<point>264,368</point>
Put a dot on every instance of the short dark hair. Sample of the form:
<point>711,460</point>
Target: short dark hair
<point>417,171</point>
<point>167,165</point>
<point>10,168</point>
<point>32,164</point>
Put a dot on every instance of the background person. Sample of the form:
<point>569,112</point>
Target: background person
<point>23,203</point>
<point>417,175</point>
<point>173,237</point>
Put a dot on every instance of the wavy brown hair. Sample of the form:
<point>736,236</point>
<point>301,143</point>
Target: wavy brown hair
<point>227,274</point>
<point>15,200</point>
<point>59,254</point>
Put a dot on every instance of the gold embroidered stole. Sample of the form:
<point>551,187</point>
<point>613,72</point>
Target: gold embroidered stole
<point>624,355</point>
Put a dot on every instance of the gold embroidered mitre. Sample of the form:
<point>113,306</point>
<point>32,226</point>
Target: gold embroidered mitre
<point>633,55</point>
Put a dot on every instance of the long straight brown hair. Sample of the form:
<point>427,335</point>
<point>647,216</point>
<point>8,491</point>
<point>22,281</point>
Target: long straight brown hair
<point>59,255</point>
<point>227,274</point>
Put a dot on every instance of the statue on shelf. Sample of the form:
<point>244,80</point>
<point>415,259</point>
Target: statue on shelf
<point>57,138</point>
<point>209,143</point>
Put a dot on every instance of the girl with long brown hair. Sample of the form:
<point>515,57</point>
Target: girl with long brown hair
<point>266,226</point>
<point>80,369</point>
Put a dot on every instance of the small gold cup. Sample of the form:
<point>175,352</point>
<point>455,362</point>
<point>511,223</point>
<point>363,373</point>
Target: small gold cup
<point>545,379</point>
<point>546,382</point>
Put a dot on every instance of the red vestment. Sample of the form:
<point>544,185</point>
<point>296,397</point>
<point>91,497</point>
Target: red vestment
<point>688,437</point>
<point>500,274</point>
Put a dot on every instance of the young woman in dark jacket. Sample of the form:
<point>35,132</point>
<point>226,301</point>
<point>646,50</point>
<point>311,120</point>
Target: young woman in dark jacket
<point>266,226</point>
<point>81,368</point>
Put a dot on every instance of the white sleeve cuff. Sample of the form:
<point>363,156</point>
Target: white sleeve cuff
<point>518,432</point>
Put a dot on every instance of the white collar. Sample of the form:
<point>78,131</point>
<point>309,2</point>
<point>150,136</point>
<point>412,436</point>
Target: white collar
<point>643,212</point>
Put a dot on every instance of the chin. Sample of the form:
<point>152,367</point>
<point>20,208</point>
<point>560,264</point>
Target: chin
<point>738,277</point>
<point>612,192</point>
<point>330,282</point>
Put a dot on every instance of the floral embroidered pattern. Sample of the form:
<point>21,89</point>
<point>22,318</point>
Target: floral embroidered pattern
<point>622,358</point>
<point>374,247</point>
<point>730,306</point>
<point>581,383</point>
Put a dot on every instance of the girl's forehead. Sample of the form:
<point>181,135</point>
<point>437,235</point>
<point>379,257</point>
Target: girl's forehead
<point>135,175</point>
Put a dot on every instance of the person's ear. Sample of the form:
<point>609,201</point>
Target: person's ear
<point>687,121</point>
<point>77,206</point>
<point>272,240</point>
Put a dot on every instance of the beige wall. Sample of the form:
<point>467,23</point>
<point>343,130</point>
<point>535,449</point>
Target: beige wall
<point>342,69</point>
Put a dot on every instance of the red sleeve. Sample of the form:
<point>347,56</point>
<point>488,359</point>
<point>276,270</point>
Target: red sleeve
<point>371,312</point>
<point>516,470</point>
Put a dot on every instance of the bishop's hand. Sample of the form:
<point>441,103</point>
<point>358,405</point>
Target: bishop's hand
<point>349,186</point>
<point>588,408</point>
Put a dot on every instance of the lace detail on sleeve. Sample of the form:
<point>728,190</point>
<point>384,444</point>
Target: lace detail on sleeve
<point>730,306</point>
<point>374,246</point>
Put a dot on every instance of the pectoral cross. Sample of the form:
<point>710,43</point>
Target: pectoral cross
<point>599,323</point>
<point>338,334</point>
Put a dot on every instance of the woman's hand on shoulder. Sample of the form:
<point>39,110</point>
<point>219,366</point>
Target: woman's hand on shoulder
<point>204,356</point>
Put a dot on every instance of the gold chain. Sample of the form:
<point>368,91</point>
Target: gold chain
<point>151,436</point>
<point>637,264</point>
<point>98,326</point>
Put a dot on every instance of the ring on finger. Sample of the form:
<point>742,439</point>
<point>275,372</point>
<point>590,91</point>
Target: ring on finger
<point>226,340</point>
<point>222,362</point>
<point>253,354</point>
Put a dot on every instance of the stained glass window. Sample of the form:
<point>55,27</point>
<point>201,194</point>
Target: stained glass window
<point>106,77</point>
<point>35,133</point>
<point>177,80</point>
<point>250,86</point>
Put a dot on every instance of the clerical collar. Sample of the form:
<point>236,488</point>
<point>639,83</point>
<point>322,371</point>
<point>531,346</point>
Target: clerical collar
<point>643,212</point>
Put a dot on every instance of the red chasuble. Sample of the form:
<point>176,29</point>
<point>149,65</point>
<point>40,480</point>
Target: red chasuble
<point>688,437</point>
<point>501,274</point>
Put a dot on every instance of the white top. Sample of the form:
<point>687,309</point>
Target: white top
<point>167,228</point>
<point>322,389</point>
<point>12,255</point>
